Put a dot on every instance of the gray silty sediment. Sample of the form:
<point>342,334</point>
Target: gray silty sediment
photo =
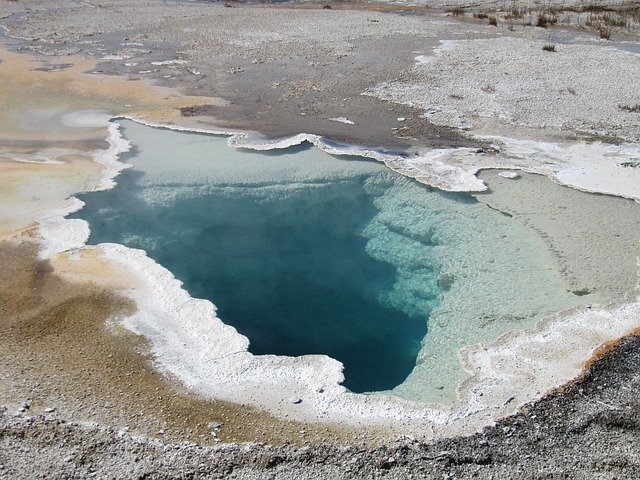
<point>287,70</point>
<point>282,76</point>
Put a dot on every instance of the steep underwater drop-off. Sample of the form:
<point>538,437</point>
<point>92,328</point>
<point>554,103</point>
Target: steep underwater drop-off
<point>308,253</point>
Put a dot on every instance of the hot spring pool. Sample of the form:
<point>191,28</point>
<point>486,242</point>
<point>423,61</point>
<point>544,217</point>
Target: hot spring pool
<point>304,252</point>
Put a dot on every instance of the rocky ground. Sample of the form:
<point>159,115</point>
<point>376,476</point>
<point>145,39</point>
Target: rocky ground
<point>588,429</point>
<point>297,69</point>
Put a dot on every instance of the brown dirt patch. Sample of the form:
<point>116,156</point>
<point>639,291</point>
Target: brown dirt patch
<point>62,347</point>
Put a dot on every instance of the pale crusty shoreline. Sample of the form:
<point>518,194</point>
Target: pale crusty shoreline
<point>169,319</point>
<point>161,117</point>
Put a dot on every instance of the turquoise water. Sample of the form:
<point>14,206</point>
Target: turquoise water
<point>288,271</point>
<point>307,253</point>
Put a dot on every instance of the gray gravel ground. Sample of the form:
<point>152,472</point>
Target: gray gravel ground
<point>590,429</point>
<point>281,71</point>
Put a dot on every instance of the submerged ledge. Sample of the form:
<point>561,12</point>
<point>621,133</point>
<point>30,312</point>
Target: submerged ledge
<point>482,399</point>
<point>456,169</point>
<point>426,166</point>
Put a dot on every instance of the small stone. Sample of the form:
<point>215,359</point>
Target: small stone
<point>49,410</point>
<point>295,400</point>
<point>388,463</point>
<point>509,174</point>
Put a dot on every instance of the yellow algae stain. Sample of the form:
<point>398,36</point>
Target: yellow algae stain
<point>44,159</point>
<point>26,85</point>
<point>29,190</point>
<point>89,265</point>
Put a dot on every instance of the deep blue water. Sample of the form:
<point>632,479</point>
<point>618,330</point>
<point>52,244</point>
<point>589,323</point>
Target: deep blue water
<point>289,269</point>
